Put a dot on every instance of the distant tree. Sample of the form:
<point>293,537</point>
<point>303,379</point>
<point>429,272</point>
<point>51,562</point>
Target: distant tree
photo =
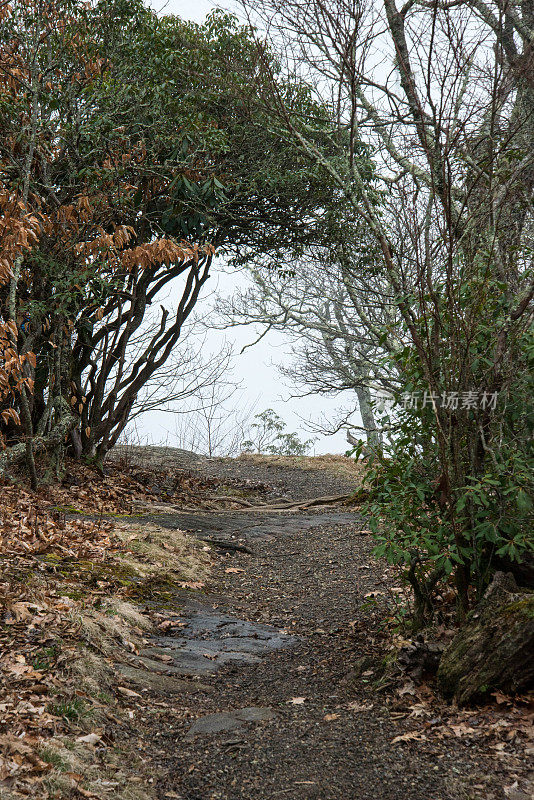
<point>215,422</point>
<point>268,435</point>
<point>334,311</point>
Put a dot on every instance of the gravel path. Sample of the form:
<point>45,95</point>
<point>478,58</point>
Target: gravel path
<point>293,712</point>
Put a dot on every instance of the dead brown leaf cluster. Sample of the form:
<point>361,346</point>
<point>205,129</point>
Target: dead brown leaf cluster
<point>124,489</point>
<point>30,526</point>
<point>38,642</point>
<point>506,727</point>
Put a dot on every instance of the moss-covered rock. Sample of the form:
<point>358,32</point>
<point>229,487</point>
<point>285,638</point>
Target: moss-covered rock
<point>495,648</point>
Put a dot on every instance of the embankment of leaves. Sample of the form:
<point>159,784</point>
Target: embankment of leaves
<point>70,590</point>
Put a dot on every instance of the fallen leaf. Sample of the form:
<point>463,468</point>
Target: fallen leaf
<point>462,730</point>
<point>410,736</point>
<point>501,698</point>
<point>357,707</point>
<point>10,744</point>
<point>89,738</point>
<point>191,584</point>
<point>127,692</point>
<point>419,710</point>
<point>22,610</point>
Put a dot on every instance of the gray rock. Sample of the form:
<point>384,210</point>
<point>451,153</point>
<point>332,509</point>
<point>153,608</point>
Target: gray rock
<point>495,647</point>
<point>210,640</point>
<point>155,456</point>
<point>160,684</point>
<point>228,721</point>
<point>184,663</point>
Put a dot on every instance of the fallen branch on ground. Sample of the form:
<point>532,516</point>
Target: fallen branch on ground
<point>313,502</point>
<point>231,499</point>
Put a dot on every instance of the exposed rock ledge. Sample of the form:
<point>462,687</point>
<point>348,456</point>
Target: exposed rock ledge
<point>495,648</point>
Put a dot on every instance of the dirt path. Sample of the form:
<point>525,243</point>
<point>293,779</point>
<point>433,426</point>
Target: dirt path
<point>264,686</point>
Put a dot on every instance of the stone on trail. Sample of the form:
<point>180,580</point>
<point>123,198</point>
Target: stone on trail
<point>228,721</point>
<point>160,684</point>
<point>210,640</point>
<point>495,648</point>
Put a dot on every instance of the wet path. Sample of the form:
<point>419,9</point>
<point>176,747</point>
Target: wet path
<point>265,687</point>
<point>203,640</point>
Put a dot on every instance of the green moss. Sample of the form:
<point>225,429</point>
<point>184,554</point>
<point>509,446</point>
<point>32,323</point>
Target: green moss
<point>525,607</point>
<point>51,558</point>
<point>73,594</point>
<point>94,571</point>
<point>389,659</point>
<point>158,587</point>
<point>68,510</point>
<point>107,514</point>
<point>44,659</point>
<point>153,588</point>
<point>104,697</point>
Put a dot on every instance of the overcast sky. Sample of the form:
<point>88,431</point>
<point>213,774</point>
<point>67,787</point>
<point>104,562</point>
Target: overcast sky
<point>256,368</point>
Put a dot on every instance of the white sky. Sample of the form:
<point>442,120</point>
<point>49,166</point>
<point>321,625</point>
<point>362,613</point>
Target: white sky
<point>256,369</point>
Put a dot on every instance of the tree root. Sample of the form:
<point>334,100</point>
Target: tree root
<point>314,502</point>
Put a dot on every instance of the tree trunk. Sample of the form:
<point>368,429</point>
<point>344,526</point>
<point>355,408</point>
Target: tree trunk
<point>57,435</point>
<point>374,439</point>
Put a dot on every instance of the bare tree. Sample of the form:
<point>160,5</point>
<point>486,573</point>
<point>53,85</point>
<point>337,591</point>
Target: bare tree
<point>335,313</point>
<point>114,352</point>
<point>443,95</point>
<point>214,424</point>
